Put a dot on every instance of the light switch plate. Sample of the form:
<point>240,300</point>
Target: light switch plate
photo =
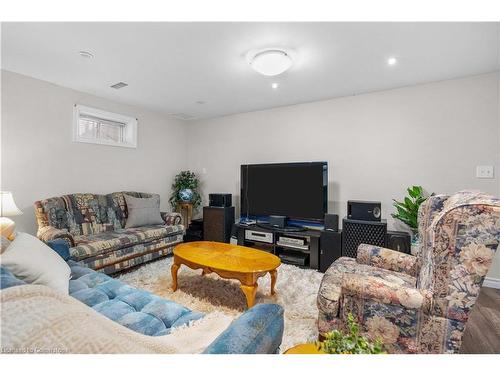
<point>484,171</point>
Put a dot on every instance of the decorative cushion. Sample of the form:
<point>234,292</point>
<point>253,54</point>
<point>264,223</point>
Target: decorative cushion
<point>32,261</point>
<point>4,243</point>
<point>143,211</point>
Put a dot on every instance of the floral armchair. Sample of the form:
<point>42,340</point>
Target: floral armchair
<point>418,304</point>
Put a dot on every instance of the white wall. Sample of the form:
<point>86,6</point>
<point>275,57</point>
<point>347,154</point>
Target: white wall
<point>39,159</point>
<point>376,144</point>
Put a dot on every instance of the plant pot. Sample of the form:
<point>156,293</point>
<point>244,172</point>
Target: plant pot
<point>415,242</point>
<point>186,195</point>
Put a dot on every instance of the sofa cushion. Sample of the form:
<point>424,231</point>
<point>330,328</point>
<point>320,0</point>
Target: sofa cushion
<point>7,279</point>
<point>136,309</point>
<point>143,211</point>
<point>104,242</point>
<point>330,288</point>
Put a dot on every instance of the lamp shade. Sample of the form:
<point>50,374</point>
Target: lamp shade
<point>7,205</point>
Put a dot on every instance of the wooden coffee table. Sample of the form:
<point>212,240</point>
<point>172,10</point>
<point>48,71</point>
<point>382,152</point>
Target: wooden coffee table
<point>229,262</point>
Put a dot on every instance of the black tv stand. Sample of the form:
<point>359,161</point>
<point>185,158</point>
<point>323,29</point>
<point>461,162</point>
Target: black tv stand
<point>304,252</point>
<point>288,228</point>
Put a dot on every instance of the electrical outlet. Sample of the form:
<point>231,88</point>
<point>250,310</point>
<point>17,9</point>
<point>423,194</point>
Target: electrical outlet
<point>484,171</point>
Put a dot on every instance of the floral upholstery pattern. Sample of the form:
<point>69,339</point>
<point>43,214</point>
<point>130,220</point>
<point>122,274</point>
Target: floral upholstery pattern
<point>390,260</point>
<point>93,226</point>
<point>427,313</point>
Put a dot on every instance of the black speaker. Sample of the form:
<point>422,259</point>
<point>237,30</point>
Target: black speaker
<point>195,231</point>
<point>330,248</point>
<point>332,222</point>
<point>217,223</point>
<point>277,221</point>
<point>364,210</point>
<point>400,241</point>
<point>220,200</point>
<point>356,232</point>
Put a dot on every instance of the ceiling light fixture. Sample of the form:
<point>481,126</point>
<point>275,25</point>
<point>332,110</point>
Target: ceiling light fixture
<point>86,54</point>
<point>274,85</point>
<point>391,61</point>
<point>271,62</point>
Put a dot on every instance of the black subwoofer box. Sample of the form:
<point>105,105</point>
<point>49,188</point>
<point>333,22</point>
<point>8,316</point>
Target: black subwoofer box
<point>217,223</point>
<point>356,232</point>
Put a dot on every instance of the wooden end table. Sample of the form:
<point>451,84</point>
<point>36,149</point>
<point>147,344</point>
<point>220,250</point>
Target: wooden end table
<point>309,348</point>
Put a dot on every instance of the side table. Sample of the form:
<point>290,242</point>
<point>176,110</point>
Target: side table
<point>186,211</point>
<point>309,348</point>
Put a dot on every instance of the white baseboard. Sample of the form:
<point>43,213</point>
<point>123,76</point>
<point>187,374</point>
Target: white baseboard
<point>491,282</point>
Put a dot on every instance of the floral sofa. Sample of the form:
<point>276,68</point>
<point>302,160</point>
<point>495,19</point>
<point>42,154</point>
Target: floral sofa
<point>94,227</point>
<point>418,304</point>
<point>104,315</point>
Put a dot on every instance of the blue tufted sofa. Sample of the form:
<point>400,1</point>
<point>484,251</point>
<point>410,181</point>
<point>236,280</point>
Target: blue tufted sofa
<point>258,330</point>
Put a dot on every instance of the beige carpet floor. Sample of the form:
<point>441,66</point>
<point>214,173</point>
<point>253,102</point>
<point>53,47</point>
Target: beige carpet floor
<point>296,291</point>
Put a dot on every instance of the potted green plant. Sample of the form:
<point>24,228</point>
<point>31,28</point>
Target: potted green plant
<point>407,209</point>
<point>352,342</point>
<point>185,190</point>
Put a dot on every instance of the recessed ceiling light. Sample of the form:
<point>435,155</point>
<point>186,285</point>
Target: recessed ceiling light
<point>391,61</point>
<point>274,85</point>
<point>271,62</point>
<point>86,54</point>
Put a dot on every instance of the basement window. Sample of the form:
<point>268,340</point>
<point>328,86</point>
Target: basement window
<point>92,125</point>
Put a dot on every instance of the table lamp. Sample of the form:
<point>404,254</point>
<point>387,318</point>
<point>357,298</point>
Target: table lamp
<point>7,208</point>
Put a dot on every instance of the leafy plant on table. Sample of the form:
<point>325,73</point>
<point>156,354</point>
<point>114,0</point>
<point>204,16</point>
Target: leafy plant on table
<point>185,180</point>
<point>336,342</point>
<point>407,210</point>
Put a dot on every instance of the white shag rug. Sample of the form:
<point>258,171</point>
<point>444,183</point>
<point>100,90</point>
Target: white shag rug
<point>296,291</point>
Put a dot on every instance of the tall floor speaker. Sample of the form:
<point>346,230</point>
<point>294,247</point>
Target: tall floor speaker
<point>356,232</point>
<point>217,223</point>
<point>330,248</point>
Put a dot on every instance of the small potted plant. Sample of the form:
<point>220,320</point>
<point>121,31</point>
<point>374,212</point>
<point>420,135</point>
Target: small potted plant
<point>352,342</point>
<point>407,210</point>
<point>185,190</point>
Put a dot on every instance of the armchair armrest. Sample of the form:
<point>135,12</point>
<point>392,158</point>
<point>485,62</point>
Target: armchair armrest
<point>49,233</point>
<point>379,290</point>
<point>387,259</point>
<point>171,218</point>
<point>258,330</point>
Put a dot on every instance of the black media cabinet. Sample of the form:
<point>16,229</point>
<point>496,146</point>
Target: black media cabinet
<point>271,240</point>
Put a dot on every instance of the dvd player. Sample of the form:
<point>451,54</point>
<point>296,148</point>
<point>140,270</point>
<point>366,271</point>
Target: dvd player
<point>298,259</point>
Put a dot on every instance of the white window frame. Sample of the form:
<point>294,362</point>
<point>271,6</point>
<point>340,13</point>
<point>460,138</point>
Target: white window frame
<point>129,131</point>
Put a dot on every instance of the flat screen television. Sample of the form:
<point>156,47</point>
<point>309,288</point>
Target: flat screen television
<point>296,190</point>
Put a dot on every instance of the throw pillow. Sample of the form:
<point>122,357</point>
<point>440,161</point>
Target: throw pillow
<point>30,260</point>
<point>143,211</point>
<point>4,244</point>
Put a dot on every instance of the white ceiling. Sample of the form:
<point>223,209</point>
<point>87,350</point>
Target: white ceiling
<point>171,66</point>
